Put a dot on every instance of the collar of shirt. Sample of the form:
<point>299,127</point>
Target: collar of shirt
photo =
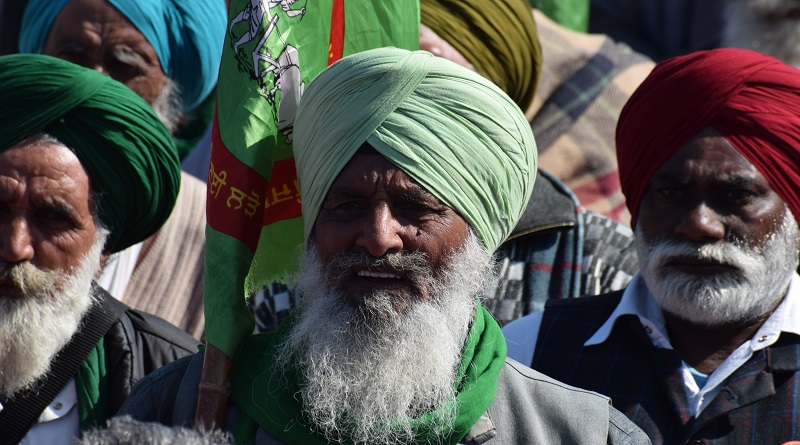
<point>59,422</point>
<point>637,300</point>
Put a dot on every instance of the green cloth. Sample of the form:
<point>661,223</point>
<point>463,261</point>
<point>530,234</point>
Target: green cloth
<point>572,14</point>
<point>498,38</point>
<point>90,384</point>
<point>127,152</point>
<point>447,127</point>
<point>273,403</point>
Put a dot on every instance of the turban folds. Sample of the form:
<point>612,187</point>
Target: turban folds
<point>751,99</point>
<point>186,35</point>
<point>454,132</point>
<point>127,152</point>
<point>498,38</point>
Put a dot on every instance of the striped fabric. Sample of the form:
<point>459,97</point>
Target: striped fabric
<point>565,251</point>
<point>757,405</point>
<point>585,81</point>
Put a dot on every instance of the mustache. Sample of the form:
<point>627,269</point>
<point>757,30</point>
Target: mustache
<point>728,253</point>
<point>411,264</point>
<point>27,278</point>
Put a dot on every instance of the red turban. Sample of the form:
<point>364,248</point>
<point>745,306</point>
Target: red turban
<point>751,99</point>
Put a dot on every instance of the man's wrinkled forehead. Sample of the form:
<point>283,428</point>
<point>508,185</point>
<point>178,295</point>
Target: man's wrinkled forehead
<point>408,186</point>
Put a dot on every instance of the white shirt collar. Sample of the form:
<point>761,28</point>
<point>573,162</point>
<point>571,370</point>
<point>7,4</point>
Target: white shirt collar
<point>637,300</point>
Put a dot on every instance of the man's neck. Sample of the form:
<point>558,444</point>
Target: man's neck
<point>705,348</point>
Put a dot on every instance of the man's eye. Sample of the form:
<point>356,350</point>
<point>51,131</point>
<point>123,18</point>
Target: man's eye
<point>347,205</point>
<point>417,207</point>
<point>71,51</point>
<point>739,194</point>
<point>58,217</point>
<point>670,193</point>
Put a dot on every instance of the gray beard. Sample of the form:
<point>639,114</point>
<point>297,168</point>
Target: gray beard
<point>753,290</point>
<point>168,106</point>
<point>369,371</point>
<point>765,26</point>
<point>35,327</point>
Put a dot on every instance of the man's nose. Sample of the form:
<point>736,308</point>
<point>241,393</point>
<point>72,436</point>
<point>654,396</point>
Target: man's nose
<point>381,233</point>
<point>701,223</point>
<point>16,243</point>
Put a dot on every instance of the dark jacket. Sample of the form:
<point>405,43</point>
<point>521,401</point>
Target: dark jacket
<point>757,404</point>
<point>136,345</point>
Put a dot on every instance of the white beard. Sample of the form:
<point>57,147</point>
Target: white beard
<point>35,327</point>
<point>753,290</point>
<point>766,26</point>
<point>369,371</point>
<point>167,106</point>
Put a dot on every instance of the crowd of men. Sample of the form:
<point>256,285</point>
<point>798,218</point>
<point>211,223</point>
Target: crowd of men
<point>452,287</point>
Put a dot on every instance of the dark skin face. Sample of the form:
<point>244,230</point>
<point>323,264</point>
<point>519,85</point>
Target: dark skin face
<point>94,34</point>
<point>376,208</point>
<point>46,216</point>
<point>706,193</point>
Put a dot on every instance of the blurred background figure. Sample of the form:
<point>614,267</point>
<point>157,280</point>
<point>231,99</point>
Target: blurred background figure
<point>770,27</point>
<point>660,28</point>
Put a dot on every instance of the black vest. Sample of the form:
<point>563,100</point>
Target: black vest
<point>760,403</point>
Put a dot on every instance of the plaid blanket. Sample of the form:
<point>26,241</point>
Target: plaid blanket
<point>586,79</point>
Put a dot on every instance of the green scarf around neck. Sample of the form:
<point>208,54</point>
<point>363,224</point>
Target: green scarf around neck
<point>272,401</point>
<point>90,384</point>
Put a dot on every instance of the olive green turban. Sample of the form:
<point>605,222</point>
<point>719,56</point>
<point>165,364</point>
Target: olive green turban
<point>129,156</point>
<point>498,38</point>
<point>454,132</point>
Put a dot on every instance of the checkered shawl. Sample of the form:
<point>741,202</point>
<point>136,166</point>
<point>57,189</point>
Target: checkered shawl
<point>585,81</point>
<point>757,405</point>
<point>574,254</point>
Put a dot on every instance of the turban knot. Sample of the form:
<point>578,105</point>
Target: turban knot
<point>751,99</point>
<point>454,132</point>
<point>127,152</point>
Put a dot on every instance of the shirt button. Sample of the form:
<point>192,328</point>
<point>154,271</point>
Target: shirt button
<point>648,329</point>
<point>58,405</point>
<point>763,338</point>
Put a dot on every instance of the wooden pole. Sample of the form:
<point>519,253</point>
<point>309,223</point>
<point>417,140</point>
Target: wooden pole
<point>214,390</point>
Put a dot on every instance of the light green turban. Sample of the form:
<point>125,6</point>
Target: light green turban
<point>127,152</point>
<point>453,131</point>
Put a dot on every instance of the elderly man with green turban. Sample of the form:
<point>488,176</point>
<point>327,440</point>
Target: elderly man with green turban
<point>168,52</point>
<point>412,171</point>
<point>86,169</point>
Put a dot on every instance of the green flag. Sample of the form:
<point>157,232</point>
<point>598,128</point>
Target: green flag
<point>272,50</point>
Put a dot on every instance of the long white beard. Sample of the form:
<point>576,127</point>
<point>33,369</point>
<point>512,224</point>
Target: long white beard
<point>765,26</point>
<point>35,327</point>
<point>368,372</point>
<point>751,291</point>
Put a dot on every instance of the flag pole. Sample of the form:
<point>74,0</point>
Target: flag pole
<point>214,390</point>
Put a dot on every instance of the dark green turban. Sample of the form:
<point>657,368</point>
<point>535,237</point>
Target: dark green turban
<point>127,152</point>
<point>498,38</point>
